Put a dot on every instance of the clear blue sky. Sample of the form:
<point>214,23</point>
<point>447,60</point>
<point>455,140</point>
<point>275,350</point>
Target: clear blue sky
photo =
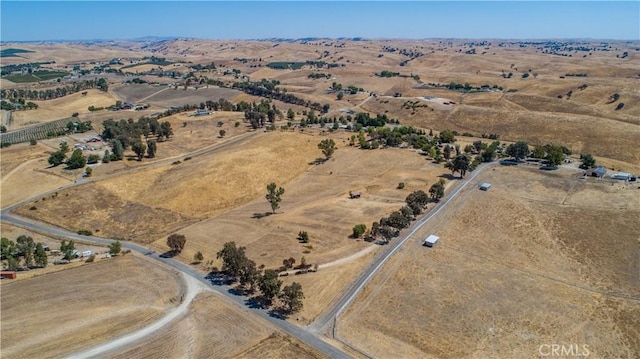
<point>84,20</point>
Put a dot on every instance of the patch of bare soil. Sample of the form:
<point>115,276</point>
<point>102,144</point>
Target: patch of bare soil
<point>63,312</point>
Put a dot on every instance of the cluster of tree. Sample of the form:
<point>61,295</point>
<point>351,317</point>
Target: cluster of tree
<point>389,227</point>
<point>238,267</point>
<point>18,105</point>
<point>9,69</point>
<point>125,133</point>
<point>518,150</point>
<point>554,155</point>
<point>319,75</point>
<point>467,87</point>
<point>24,250</point>
<point>77,160</point>
<point>257,113</point>
<point>267,89</point>
<point>48,94</point>
<point>199,67</point>
<point>78,126</point>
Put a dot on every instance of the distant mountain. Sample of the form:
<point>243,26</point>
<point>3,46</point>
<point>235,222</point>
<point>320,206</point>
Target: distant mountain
<point>153,38</point>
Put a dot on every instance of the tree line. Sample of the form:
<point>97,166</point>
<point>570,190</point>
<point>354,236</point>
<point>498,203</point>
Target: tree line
<point>269,89</point>
<point>24,251</point>
<point>48,94</point>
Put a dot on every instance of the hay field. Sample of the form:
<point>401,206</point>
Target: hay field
<point>62,107</point>
<point>212,328</point>
<point>60,313</point>
<point>540,258</point>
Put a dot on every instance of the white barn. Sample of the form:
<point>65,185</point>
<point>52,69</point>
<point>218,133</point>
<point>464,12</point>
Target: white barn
<point>431,240</point>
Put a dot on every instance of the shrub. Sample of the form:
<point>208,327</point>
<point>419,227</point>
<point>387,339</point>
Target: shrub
<point>33,142</point>
<point>358,230</point>
<point>401,185</point>
<point>93,159</point>
<point>33,208</point>
<point>303,236</point>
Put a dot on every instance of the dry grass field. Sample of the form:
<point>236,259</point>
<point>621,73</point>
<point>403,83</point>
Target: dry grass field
<point>62,107</point>
<point>212,328</point>
<point>60,313</point>
<point>317,201</point>
<point>541,258</point>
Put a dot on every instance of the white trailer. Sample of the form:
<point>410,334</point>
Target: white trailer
<point>431,240</point>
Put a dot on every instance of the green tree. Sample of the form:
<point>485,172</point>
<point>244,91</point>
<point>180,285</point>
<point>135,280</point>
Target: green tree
<point>93,158</point>
<point>587,161</point>
<point>328,147</point>
<point>437,190</point>
<point>76,160</point>
<point>222,133</point>
<point>56,158</point>
<point>88,172</point>
<point>274,196</point>
<point>139,148</point>
<point>107,157</point>
<point>447,136</point>
<point>151,148</point>
<point>167,131</point>
<point>518,150</point>
<point>176,242</point>
<point>67,249</point>
<point>64,147</point>
<point>198,257</point>
<point>233,259</point>
<point>358,230</point>
<point>8,248</point>
<point>269,284</point>
<point>118,150</point>
<point>115,248</point>
<point>249,274</point>
<point>340,96</point>
<point>291,115</point>
<point>555,155</point>
<point>40,256</point>
<point>292,297</point>
<point>25,247</point>
<point>3,128</point>
<point>461,164</point>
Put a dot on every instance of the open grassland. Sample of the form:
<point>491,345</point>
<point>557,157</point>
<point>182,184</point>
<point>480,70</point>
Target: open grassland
<point>318,202</point>
<point>212,328</point>
<point>30,177</point>
<point>60,313</point>
<point>540,258</point>
<point>62,107</point>
<point>167,96</point>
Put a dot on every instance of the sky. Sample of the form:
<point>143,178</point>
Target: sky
<point>90,20</point>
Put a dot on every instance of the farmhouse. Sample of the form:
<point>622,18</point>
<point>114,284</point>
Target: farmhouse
<point>431,240</point>
<point>597,172</point>
<point>485,186</point>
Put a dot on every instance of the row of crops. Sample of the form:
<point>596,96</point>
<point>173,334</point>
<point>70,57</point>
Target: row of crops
<point>38,132</point>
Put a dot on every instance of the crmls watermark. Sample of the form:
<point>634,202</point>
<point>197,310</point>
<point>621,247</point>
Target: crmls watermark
<point>564,350</point>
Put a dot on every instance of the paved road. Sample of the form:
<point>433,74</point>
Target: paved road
<point>331,314</point>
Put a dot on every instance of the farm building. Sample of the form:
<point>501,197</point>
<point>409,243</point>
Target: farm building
<point>485,186</point>
<point>431,240</point>
<point>621,176</point>
<point>597,172</point>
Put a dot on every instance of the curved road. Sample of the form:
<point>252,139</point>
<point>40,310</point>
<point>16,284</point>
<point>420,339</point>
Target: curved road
<point>309,335</point>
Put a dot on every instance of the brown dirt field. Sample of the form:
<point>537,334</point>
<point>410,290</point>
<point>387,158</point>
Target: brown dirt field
<point>278,346</point>
<point>14,156</point>
<point>60,313</point>
<point>166,97</point>
<point>504,281</point>
<point>62,107</point>
<point>212,328</point>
